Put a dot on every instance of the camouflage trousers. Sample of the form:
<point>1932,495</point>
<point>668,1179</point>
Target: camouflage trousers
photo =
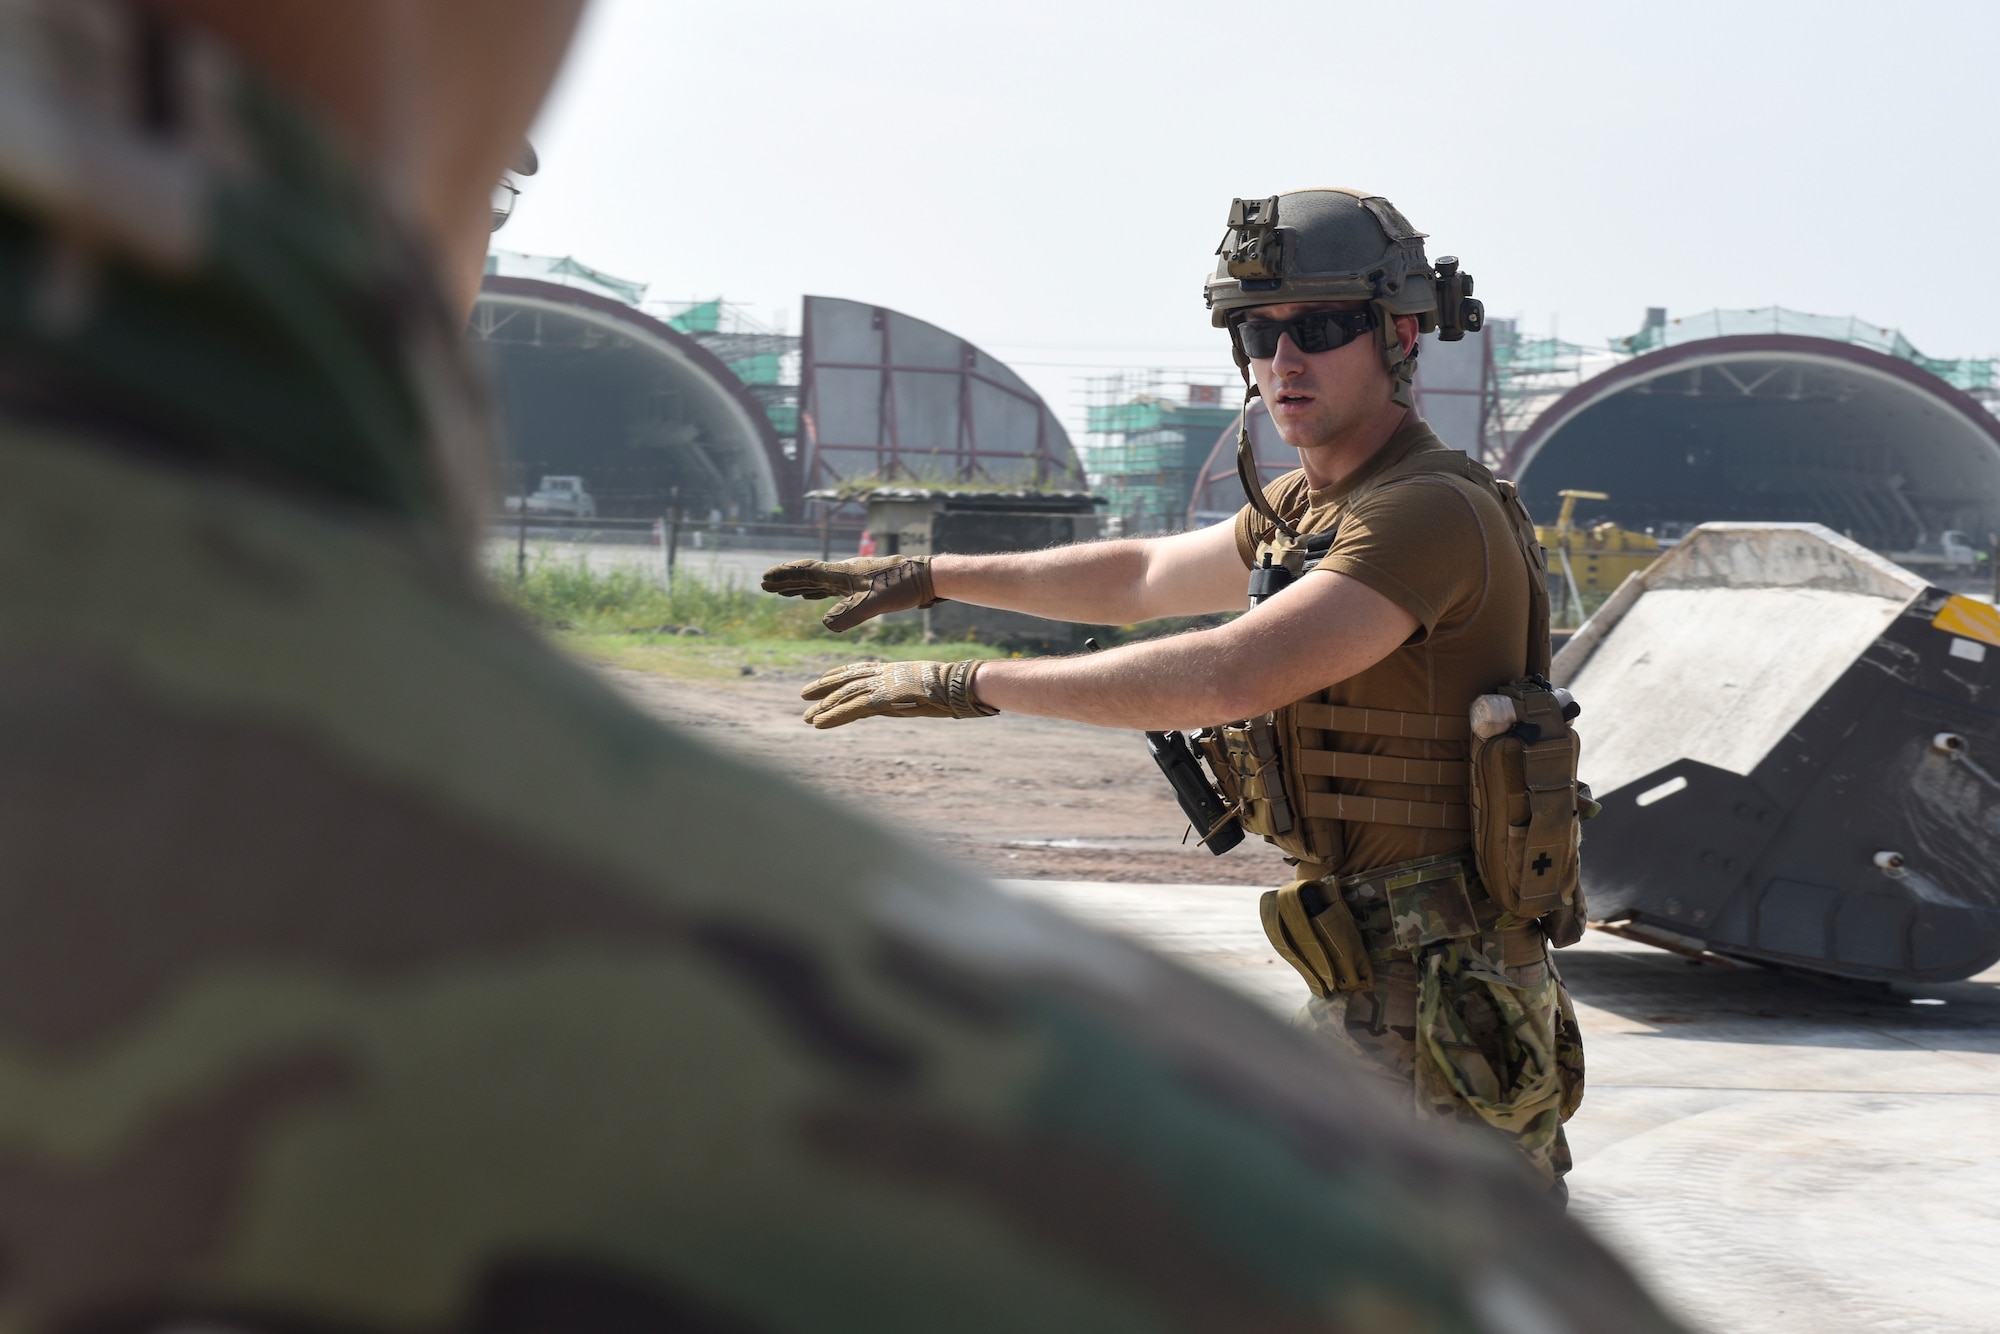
<point>1447,1017</point>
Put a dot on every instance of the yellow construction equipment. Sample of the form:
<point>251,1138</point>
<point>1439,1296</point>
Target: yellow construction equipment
<point>1591,560</point>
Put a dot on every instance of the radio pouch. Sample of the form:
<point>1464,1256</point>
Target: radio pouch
<point>1314,932</point>
<point>1525,803</point>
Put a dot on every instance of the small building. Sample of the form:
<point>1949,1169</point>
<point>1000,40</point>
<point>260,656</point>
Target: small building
<point>929,521</point>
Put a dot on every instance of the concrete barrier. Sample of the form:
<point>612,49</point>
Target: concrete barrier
<point>1797,744</point>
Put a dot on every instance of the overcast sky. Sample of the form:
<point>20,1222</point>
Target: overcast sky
<point>1049,179</point>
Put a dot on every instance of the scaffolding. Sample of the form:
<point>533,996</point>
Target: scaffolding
<point>1978,376</point>
<point>763,358</point>
<point>1147,434</point>
<point>1529,375</point>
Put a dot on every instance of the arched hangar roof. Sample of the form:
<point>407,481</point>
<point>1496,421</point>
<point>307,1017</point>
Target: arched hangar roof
<point>594,386</point>
<point>1770,427</point>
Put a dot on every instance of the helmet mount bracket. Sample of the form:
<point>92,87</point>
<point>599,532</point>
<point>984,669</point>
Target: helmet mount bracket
<point>1257,259</point>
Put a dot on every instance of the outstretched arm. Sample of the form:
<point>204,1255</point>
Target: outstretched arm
<point>1104,583</point>
<point>1101,583</point>
<point>1317,633</point>
<point>1322,630</point>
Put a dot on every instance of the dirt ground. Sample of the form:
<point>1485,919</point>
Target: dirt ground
<point>1027,798</point>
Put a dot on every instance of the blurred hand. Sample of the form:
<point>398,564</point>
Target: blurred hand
<point>894,690</point>
<point>867,587</point>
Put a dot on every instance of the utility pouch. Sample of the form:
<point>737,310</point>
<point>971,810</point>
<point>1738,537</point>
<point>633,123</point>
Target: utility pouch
<point>1313,931</point>
<point>1249,751</point>
<point>1525,803</point>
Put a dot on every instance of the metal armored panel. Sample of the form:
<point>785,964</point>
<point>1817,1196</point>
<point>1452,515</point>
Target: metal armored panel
<point>1798,751</point>
<point>888,398</point>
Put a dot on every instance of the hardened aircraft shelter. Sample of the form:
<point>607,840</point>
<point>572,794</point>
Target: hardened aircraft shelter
<point>1770,415</point>
<point>592,385</point>
<point>1733,415</point>
<point>887,398</point>
<point>693,403</point>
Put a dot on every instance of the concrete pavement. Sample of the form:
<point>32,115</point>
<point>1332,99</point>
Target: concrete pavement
<point>1771,1153</point>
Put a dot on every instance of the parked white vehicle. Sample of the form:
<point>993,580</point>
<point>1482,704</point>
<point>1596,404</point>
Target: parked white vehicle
<point>1952,548</point>
<point>558,495</point>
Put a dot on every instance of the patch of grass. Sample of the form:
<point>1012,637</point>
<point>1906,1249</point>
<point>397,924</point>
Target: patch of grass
<point>570,596</point>
<point>705,627</point>
<point>709,627</point>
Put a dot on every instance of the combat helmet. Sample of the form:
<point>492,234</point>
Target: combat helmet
<point>1334,245</point>
<point>1339,245</point>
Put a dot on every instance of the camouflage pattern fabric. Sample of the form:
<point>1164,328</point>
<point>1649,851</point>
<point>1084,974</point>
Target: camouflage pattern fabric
<point>1459,1033</point>
<point>365,966</point>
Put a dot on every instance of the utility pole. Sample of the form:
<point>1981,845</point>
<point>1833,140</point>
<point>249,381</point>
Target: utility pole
<point>673,532</point>
<point>521,532</point>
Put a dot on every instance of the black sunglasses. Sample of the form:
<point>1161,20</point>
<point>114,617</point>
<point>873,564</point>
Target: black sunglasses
<point>1320,331</point>
<point>505,192</point>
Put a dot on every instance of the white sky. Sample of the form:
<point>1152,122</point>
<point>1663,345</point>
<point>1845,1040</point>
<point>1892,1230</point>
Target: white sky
<point>1049,179</point>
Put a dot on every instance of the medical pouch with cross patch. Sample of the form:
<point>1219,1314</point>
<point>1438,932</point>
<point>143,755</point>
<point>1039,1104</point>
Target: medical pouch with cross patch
<point>1526,805</point>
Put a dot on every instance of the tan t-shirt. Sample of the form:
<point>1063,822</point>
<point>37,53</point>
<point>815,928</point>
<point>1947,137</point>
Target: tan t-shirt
<point>1441,548</point>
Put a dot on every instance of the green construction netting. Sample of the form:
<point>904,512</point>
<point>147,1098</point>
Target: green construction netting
<point>762,369</point>
<point>566,271</point>
<point>1149,414</point>
<point>701,317</point>
<point>1536,356</point>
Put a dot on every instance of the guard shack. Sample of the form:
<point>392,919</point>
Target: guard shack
<point>928,521</point>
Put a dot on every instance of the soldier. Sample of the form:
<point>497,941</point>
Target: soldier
<point>1391,574</point>
<point>366,966</point>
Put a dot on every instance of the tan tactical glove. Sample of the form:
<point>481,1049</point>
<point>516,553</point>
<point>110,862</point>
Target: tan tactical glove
<point>866,587</point>
<point>894,690</point>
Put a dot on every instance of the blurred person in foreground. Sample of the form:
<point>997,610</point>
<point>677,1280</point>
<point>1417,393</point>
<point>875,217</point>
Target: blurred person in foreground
<point>366,966</point>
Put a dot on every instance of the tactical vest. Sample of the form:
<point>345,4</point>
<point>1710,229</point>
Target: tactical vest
<point>1510,784</point>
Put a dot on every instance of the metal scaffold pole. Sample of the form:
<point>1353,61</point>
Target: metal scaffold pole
<point>521,529</point>
<point>673,533</point>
